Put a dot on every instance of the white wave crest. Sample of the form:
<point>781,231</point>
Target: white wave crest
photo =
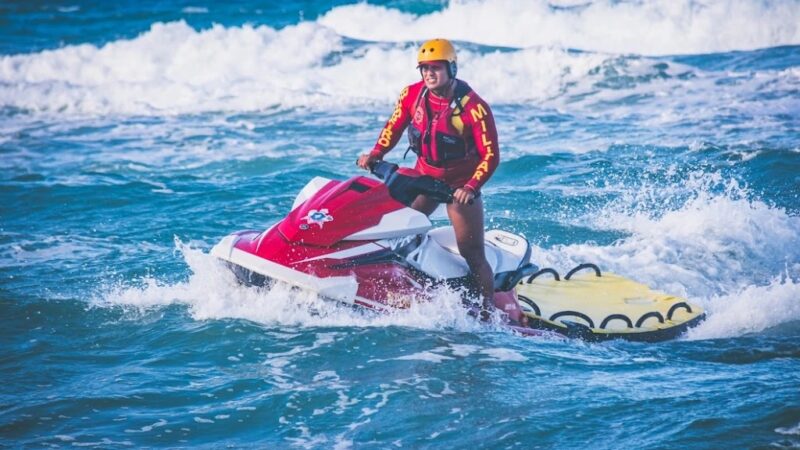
<point>174,69</point>
<point>656,27</point>
<point>709,247</point>
<point>171,69</point>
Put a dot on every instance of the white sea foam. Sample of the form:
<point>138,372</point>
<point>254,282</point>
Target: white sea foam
<point>195,10</point>
<point>456,351</point>
<point>148,428</point>
<point>753,309</point>
<point>795,430</point>
<point>502,354</point>
<point>425,356</point>
<point>652,28</point>
<point>212,292</point>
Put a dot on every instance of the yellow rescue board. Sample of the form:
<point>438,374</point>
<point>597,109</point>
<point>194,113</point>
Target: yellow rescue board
<point>605,307</point>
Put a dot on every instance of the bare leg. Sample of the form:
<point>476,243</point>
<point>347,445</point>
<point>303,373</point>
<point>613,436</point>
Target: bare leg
<point>424,205</point>
<point>467,222</point>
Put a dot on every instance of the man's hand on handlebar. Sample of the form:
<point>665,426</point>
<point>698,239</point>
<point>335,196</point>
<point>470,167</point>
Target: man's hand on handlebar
<point>464,196</point>
<point>366,161</point>
<point>414,185</point>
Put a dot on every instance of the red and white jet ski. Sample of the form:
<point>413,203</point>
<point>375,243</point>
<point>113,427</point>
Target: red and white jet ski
<point>359,242</point>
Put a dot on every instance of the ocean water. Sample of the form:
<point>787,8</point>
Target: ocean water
<point>659,139</point>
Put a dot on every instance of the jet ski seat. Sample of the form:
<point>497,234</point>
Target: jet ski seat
<point>438,254</point>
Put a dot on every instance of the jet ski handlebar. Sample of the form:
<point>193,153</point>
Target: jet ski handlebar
<point>383,169</point>
<point>405,188</point>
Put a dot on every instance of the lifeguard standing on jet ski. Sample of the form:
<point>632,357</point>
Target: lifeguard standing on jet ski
<point>454,137</point>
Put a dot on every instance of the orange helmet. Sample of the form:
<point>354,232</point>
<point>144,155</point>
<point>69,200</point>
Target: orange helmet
<point>438,50</point>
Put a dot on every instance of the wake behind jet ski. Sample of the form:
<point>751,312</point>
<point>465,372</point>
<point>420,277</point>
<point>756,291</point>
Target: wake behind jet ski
<point>358,242</point>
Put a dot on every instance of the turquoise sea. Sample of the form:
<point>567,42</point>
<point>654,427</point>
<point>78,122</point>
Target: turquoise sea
<point>659,139</point>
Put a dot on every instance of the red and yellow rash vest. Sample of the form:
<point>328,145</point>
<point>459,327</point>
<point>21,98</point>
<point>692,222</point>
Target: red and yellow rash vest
<point>455,140</point>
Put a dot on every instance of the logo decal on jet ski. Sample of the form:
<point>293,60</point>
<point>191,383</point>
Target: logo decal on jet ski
<point>318,217</point>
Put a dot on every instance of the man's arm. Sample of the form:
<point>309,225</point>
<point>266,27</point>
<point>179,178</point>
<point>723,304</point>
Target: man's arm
<point>484,132</point>
<point>393,130</point>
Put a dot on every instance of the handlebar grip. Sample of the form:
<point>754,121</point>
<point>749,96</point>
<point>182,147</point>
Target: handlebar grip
<point>383,169</point>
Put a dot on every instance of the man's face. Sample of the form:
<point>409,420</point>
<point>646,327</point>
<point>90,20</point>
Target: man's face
<point>434,74</point>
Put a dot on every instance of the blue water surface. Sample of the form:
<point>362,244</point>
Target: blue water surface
<point>135,135</point>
